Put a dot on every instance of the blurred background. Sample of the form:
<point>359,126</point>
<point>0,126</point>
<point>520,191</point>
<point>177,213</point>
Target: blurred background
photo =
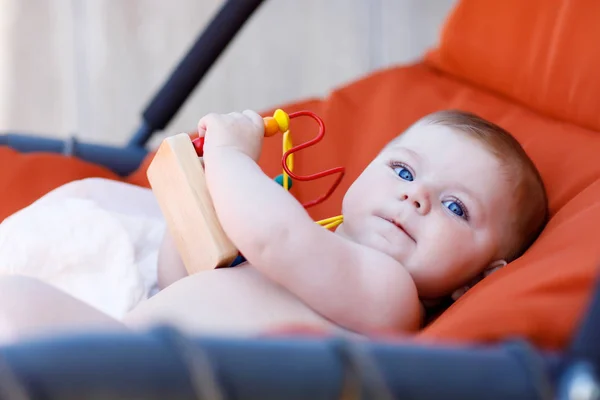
<point>89,67</point>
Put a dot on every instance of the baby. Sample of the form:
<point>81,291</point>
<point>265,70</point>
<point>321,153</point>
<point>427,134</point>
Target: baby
<point>446,203</point>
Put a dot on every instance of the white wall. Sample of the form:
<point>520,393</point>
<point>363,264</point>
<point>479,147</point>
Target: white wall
<point>90,66</point>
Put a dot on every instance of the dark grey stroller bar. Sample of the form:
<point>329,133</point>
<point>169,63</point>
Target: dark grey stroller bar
<point>121,160</point>
<point>163,364</point>
<point>196,63</point>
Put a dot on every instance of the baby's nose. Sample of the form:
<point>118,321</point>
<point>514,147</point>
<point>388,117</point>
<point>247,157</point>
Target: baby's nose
<point>419,198</point>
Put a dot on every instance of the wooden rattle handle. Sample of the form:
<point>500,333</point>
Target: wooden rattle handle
<point>176,175</point>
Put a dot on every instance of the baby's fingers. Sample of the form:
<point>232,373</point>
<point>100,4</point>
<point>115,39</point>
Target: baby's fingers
<point>205,122</point>
<point>256,119</point>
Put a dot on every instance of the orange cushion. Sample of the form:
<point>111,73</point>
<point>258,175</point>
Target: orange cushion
<point>540,296</point>
<point>25,177</point>
<point>542,53</point>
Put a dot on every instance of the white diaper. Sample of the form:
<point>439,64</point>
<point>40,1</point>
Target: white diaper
<point>95,239</point>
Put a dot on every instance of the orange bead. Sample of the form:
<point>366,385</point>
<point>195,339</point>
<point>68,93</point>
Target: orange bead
<point>271,126</point>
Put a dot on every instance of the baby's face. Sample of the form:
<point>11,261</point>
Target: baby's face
<point>435,200</point>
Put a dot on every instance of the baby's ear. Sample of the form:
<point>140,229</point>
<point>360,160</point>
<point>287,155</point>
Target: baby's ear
<point>493,267</point>
<point>490,269</point>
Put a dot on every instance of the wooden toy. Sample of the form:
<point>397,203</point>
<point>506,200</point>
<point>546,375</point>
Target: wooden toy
<point>176,175</point>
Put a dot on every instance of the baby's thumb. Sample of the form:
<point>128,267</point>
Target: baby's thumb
<point>204,123</point>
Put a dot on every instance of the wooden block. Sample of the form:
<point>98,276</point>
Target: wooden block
<point>177,178</point>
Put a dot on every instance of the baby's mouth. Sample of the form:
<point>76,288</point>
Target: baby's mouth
<point>399,226</point>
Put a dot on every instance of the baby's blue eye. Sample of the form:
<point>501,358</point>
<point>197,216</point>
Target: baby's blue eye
<point>404,173</point>
<point>455,207</point>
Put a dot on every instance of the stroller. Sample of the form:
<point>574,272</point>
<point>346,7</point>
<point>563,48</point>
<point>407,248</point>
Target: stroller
<point>539,343</point>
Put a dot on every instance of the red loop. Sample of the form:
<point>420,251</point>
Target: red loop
<point>338,170</point>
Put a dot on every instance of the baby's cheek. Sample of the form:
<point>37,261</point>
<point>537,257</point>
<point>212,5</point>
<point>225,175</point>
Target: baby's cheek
<point>469,253</point>
<point>449,241</point>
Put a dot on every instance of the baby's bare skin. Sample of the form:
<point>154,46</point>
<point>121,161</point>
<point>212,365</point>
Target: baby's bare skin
<point>231,301</point>
<point>236,301</point>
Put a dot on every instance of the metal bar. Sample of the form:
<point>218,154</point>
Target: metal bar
<point>121,160</point>
<point>163,363</point>
<point>193,67</point>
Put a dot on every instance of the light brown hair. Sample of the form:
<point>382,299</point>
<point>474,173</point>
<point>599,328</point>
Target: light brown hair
<point>529,194</point>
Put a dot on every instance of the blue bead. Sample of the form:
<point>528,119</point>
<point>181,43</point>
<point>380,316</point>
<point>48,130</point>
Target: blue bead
<point>238,260</point>
<point>279,179</point>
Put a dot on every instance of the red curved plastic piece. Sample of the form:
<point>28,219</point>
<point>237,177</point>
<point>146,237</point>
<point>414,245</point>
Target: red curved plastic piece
<point>199,146</point>
<point>338,170</point>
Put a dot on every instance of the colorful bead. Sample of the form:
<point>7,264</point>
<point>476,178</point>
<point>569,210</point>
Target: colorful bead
<point>271,126</point>
<point>283,120</point>
<point>279,179</point>
<point>199,146</point>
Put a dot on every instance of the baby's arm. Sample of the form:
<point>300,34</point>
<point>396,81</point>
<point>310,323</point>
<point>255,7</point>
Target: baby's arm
<point>354,286</point>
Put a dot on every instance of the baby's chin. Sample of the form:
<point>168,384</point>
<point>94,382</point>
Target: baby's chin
<point>399,252</point>
<point>429,287</point>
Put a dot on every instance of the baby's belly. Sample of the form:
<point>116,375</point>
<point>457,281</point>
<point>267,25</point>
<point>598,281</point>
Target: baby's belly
<point>225,301</point>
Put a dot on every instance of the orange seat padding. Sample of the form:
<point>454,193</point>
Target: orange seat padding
<point>540,53</point>
<point>542,295</point>
<point>25,177</point>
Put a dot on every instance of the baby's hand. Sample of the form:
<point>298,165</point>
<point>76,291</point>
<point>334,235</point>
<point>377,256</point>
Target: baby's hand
<point>241,131</point>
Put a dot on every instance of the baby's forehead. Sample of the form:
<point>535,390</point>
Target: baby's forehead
<point>431,138</point>
<point>446,151</point>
